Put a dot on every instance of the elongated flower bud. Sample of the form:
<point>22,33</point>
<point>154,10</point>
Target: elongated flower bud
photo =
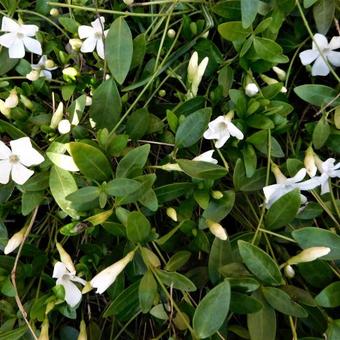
<point>44,331</point>
<point>198,76</point>
<point>12,100</point>
<point>65,258</point>
<point>289,271</point>
<point>82,331</point>
<point>271,81</point>
<point>309,162</point>
<point>281,74</point>
<point>279,176</point>
<point>104,279</point>
<point>15,241</point>
<point>217,230</point>
<point>4,110</point>
<point>192,66</point>
<point>128,2</point>
<point>318,162</point>
<point>308,255</point>
<point>27,103</point>
<point>171,212</point>
<point>57,116</point>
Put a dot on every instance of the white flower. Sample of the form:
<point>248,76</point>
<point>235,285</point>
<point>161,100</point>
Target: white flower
<point>195,73</point>
<point>42,69</point>
<point>104,279</point>
<point>64,126</point>
<point>206,157</point>
<point>221,129</point>
<point>128,2</point>
<point>284,185</point>
<point>328,169</point>
<point>93,36</point>
<point>308,255</point>
<point>66,278</point>
<point>12,100</point>
<point>217,230</point>
<point>15,241</point>
<point>18,38</point>
<point>251,90</point>
<point>319,67</point>
<point>14,162</point>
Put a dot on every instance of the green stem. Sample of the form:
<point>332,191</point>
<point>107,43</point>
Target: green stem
<point>277,235</point>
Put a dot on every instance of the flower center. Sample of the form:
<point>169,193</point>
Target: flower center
<point>20,35</point>
<point>13,159</point>
<point>98,35</point>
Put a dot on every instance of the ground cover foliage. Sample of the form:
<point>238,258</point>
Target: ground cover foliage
<point>168,169</point>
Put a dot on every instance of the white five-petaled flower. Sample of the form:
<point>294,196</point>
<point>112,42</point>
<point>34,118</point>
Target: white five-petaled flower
<point>206,157</point>
<point>66,278</point>
<point>104,279</point>
<point>93,36</point>
<point>14,162</point>
<point>18,37</point>
<point>221,129</point>
<point>42,69</point>
<point>328,169</point>
<point>285,185</point>
<point>320,68</point>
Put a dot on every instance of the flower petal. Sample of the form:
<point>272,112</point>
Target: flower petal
<point>235,131</point>
<point>85,31</point>
<point>320,68</point>
<point>334,44</point>
<point>59,270</point>
<point>206,157</point>
<point>32,45</point>
<point>299,176</point>
<point>309,184</point>
<point>334,58</point>
<point>29,30</point>
<point>98,24</point>
<point>222,140</point>
<point>28,156</point>
<point>20,174</point>
<point>9,25</point>
<point>89,44</point>
<point>47,74</point>
<point>100,48</point>
<point>320,40</point>
<point>325,188</point>
<point>72,292</point>
<point>5,170</point>
<point>308,56</point>
<point>5,151</point>
<point>7,39</point>
<point>210,134</point>
<point>17,49</point>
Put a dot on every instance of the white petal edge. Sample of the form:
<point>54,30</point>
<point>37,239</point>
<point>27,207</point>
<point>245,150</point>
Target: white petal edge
<point>308,56</point>
<point>59,270</point>
<point>320,40</point>
<point>32,45</point>
<point>9,25</point>
<point>5,151</point>
<point>85,31</point>
<point>5,170</point>
<point>20,174</point>
<point>320,68</point>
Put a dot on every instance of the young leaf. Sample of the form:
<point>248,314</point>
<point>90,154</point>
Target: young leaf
<point>91,161</point>
<point>119,49</point>
<point>138,227</point>
<point>147,291</point>
<point>260,263</point>
<point>192,128</point>
<point>212,310</point>
<point>284,210</point>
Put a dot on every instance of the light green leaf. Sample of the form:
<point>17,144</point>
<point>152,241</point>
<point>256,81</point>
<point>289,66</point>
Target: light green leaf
<point>233,30</point>
<point>212,310</point>
<point>249,10</point>
<point>121,187</point>
<point>318,95</point>
<point>138,227</point>
<point>321,133</point>
<point>176,280</point>
<point>119,49</point>
<point>178,260</point>
<point>269,50</point>
<point>147,291</point>
<point>137,123</point>
<point>323,12</point>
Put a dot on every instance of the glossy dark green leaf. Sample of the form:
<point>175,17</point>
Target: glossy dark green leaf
<point>192,128</point>
<point>330,296</point>
<point>138,227</point>
<point>244,304</point>
<point>31,200</point>
<point>106,105</point>
<point>269,50</point>
<point>321,133</point>
<point>119,49</point>
<point>172,191</point>
<point>83,195</point>
<point>6,63</point>
<point>147,291</point>
<point>333,330</point>
<point>230,9</point>
<point>217,210</point>
<point>318,95</point>
<point>137,123</point>
<point>283,211</point>
<point>282,302</point>
<point>176,280</point>
<point>212,310</point>
<point>260,263</point>
<point>179,259</point>
<point>121,187</point>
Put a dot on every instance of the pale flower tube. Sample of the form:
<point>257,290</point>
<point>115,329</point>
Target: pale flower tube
<point>309,255</point>
<point>15,241</point>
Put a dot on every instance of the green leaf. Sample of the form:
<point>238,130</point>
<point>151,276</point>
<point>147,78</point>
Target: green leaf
<point>233,30</point>
<point>192,128</point>
<point>218,209</point>
<point>333,330</point>
<point>139,49</point>
<point>309,3</point>
<point>282,302</point>
<point>317,237</point>
<point>63,184</point>
<point>262,324</point>
<point>268,49</point>
<point>119,49</point>
<point>202,170</point>
<point>249,11</point>
<point>91,161</point>
<point>30,200</point>
<point>14,334</point>
<point>230,9</point>
<point>137,123</point>
<point>212,310</point>
<point>176,280</point>
<point>172,191</point>
<point>323,12</point>
<point>121,187</point>
<point>260,263</point>
<point>244,304</point>
<point>6,63</point>
<point>133,161</point>
<point>284,210</point>
<point>84,195</point>
<point>178,260</point>
<point>138,227</point>
<point>147,291</point>
<point>106,105</point>
<point>318,95</point>
<point>321,133</point>
<point>260,141</point>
